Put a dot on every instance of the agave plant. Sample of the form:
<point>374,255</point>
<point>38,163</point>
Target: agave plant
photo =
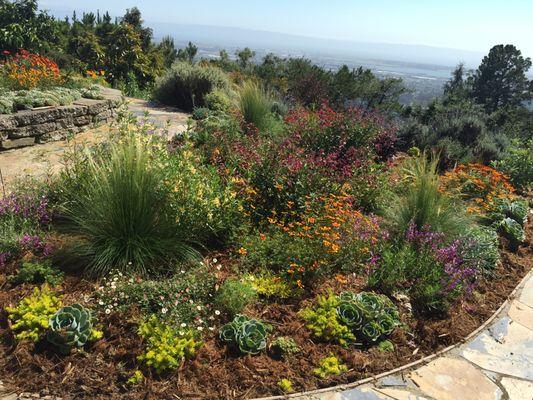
<point>70,327</point>
<point>247,334</point>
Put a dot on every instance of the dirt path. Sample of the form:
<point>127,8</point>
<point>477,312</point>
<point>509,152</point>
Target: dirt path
<point>41,160</point>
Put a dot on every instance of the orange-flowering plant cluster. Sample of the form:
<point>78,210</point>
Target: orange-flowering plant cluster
<point>327,236</point>
<point>25,70</point>
<point>481,186</point>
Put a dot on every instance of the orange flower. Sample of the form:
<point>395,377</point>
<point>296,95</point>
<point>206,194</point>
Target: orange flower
<point>243,251</point>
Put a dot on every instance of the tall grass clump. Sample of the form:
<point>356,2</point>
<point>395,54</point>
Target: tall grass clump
<point>186,85</point>
<point>255,105</point>
<point>423,204</point>
<point>117,205</point>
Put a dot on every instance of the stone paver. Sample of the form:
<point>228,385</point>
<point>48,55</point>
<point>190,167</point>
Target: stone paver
<point>526,296</point>
<point>521,313</point>
<point>451,378</point>
<point>517,389</point>
<point>509,353</point>
<point>401,394</point>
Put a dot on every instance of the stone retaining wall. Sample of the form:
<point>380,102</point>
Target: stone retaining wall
<point>26,128</point>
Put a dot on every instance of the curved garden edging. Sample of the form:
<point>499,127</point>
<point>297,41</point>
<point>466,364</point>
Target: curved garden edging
<point>501,311</point>
<point>27,128</point>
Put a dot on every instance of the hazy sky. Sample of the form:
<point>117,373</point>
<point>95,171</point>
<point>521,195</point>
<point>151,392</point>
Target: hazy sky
<point>462,24</point>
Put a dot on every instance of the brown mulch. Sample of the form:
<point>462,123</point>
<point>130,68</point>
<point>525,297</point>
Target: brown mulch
<point>102,371</point>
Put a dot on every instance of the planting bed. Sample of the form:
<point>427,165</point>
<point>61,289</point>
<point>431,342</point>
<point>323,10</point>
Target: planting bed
<point>102,372</point>
<point>235,263</point>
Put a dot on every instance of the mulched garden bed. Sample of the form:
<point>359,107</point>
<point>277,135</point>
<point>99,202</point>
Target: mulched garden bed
<point>102,372</point>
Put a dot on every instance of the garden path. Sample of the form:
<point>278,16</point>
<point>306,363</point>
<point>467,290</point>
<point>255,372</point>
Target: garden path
<point>494,364</point>
<point>45,159</point>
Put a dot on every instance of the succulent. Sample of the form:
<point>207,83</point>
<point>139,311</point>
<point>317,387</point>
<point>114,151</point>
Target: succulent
<point>369,316</point>
<point>351,314</point>
<point>513,231</point>
<point>247,334</point>
<point>371,332</point>
<point>283,346</point>
<point>70,327</point>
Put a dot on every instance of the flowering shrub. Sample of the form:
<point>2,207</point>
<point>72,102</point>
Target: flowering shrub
<point>25,70</point>
<point>185,299</point>
<point>479,184</point>
<point>326,236</point>
<point>433,271</point>
<point>24,218</point>
<point>336,134</point>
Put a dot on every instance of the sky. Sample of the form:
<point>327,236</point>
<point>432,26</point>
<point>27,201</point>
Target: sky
<point>461,24</point>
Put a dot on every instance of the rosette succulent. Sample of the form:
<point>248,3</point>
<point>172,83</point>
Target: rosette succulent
<point>247,334</point>
<point>368,315</point>
<point>351,314</point>
<point>70,327</point>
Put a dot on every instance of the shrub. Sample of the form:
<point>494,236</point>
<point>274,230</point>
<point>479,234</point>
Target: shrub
<point>478,184</point>
<point>268,285</point>
<point>70,327</point>
<point>325,236</point>
<point>255,105</point>
<point>37,273</point>
<point>202,204</point>
<point>421,202</point>
<point>330,366</point>
<point>322,320</point>
<point>234,295</point>
<point>185,85</point>
<point>24,220</point>
<point>218,101</point>
<point>246,334</point>
<point>480,249</point>
<point>25,70</point>
<point>117,205</point>
<point>166,347</point>
<point>433,270</point>
<point>517,164</point>
<point>30,318</point>
<point>185,298</point>
<point>200,113</point>
<point>284,347</point>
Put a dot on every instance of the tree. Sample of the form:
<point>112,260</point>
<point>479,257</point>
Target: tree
<point>244,56</point>
<point>188,53</point>
<point>168,51</point>
<point>458,87</point>
<point>500,80</point>
<point>23,26</point>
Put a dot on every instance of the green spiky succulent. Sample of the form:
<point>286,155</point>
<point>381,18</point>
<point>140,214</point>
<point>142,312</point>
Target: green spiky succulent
<point>70,327</point>
<point>247,334</point>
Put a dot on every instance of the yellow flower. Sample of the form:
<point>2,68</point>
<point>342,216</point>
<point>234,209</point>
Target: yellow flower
<point>243,251</point>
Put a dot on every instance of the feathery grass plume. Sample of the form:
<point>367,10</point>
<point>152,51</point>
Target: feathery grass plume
<point>255,105</point>
<point>118,208</point>
<point>423,204</point>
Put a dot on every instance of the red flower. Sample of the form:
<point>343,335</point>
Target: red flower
<point>6,53</point>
